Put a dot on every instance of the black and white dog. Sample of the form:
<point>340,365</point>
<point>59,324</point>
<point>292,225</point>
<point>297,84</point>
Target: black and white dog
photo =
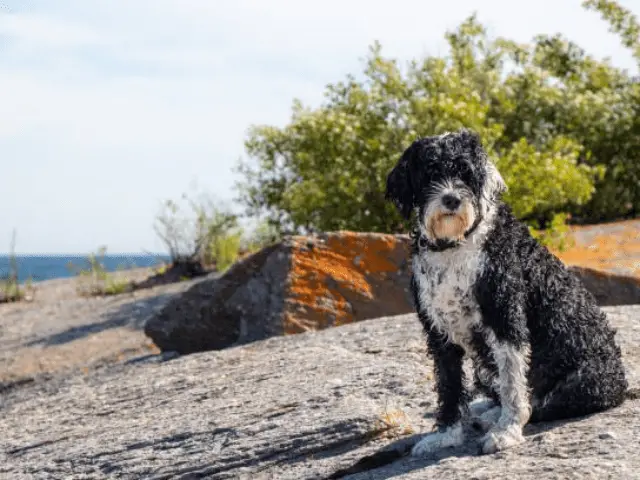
<point>483,287</point>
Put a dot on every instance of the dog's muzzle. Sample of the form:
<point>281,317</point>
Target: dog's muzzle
<point>441,245</point>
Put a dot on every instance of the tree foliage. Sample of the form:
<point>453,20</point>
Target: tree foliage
<point>561,125</point>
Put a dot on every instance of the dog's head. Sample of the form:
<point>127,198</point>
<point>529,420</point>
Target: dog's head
<point>450,182</point>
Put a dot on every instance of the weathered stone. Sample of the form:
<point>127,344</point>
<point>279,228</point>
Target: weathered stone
<point>609,288</point>
<point>311,283</point>
<point>295,407</point>
<point>610,247</point>
<point>242,305</point>
<point>301,284</point>
<point>60,331</point>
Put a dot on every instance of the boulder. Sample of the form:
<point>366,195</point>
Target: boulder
<point>217,312</point>
<point>311,283</point>
<point>609,288</point>
<point>611,247</point>
<point>308,406</point>
<point>300,284</point>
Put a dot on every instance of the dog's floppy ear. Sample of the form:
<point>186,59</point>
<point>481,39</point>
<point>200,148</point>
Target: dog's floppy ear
<point>496,185</point>
<point>399,187</point>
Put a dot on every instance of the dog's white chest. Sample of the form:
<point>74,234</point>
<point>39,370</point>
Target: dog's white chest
<point>445,284</point>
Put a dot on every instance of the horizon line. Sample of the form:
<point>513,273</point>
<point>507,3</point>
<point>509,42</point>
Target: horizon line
<point>75,254</point>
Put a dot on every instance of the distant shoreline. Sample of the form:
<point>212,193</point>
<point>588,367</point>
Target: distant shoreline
<point>43,267</point>
<point>83,255</point>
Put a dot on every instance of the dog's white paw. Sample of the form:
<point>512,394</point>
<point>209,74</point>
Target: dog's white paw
<point>451,437</point>
<point>487,419</point>
<point>499,439</point>
<point>480,406</point>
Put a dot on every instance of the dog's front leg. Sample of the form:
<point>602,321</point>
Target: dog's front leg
<point>500,294</point>
<point>452,395</point>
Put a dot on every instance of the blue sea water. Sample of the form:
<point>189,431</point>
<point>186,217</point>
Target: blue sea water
<point>46,267</point>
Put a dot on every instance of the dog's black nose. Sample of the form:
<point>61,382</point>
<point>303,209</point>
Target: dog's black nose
<point>451,201</point>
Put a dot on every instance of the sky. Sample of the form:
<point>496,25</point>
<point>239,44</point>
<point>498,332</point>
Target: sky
<point>110,107</point>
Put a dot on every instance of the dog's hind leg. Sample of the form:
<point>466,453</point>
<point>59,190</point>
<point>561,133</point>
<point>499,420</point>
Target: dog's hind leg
<point>591,389</point>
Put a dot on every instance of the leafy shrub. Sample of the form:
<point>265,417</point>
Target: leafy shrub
<point>224,250</point>
<point>204,234</point>
<point>560,124</point>
<point>556,235</point>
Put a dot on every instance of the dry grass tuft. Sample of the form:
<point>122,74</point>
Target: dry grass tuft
<point>392,423</point>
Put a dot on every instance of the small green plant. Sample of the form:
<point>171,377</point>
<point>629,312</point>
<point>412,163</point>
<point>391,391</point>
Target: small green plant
<point>95,280</point>
<point>224,250</point>
<point>202,237</point>
<point>161,270</point>
<point>10,290</point>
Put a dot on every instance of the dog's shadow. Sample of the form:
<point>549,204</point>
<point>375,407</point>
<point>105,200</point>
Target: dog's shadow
<point>395,458</point>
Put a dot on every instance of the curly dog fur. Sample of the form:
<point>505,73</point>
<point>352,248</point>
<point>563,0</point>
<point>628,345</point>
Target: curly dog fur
<point>484,288</point>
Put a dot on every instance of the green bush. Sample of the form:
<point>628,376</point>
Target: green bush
<point>559,123</point>
<point>224,250</point>
<point>203,232</point>
<point>10,290</point>
<point>555,236</point>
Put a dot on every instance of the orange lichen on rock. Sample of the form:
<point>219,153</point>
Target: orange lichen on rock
<point>368,252</point>
<point>343,277</point>
<point>332,276</point>
<point>613,247</point>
